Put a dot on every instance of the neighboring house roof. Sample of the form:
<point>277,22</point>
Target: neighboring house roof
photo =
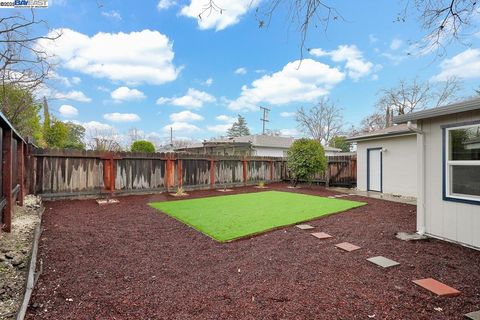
<point>396,130</point>
<point>464,106</point>
<point>258,140</point>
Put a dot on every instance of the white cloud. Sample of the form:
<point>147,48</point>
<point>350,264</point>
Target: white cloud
<point>193,99</point>
<point>355,65</point>
<point>112,15</point>
<point>72,95</point>
<point>121,117</point>
<point>96,126</point>
<point>165,4</point>
<point>305,80</point>
<point>465,65</point>
<point>208,82</point>
<point>396,44</point>
<point>133,58</point>
<point>185,116</point>
<point>225,13</point>
<point>182,127</point>
<point>68,111</point>
<point>289,132</point>
<point>225,118</point>
<point>240,70</point>
<point>219,128</point>
<point>223,127</point>
<point>126,94</point>
<point>287,114</point>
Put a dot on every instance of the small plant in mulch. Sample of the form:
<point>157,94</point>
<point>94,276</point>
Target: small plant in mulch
<point>180,192</point>
<point>261,185</point>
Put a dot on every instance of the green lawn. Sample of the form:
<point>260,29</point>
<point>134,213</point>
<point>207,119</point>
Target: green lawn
<point>231,217</point>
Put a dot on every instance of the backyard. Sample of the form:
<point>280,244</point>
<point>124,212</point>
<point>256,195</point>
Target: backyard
<point>131,261</point>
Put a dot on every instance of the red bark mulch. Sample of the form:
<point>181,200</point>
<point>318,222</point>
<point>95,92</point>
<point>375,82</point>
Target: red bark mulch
<point>129,261</point>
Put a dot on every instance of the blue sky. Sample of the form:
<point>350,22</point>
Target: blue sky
<point>151,65</point>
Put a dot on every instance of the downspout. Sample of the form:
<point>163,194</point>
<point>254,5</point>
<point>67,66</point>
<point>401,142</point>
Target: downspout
<point>421,212</point>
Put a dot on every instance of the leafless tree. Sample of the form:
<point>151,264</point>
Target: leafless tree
<point>406,97</point>
<point>103,140</point>
<point>373,122</point>
<point>22,61</point>
<point>322,122</point>
<point>443,21</point>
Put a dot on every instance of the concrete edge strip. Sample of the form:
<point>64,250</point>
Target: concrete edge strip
<point>31,270</point>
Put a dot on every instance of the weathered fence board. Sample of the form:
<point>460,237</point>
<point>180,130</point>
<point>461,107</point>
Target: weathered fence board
<point>66,173</point>
<point>11,172</point>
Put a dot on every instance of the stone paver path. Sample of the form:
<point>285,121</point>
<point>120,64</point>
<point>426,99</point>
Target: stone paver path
<point>304,226</point>
<point>440,289</point>
<point>347,246</point>
<point>321,235</point>
<point>383,262</point>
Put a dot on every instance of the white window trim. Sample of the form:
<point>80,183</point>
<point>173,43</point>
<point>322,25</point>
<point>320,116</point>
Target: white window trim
<point>449,163</point>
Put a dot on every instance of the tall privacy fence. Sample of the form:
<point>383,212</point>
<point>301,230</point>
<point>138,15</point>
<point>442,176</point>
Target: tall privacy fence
<point>12,175</point>
<point>72,174</point>
<point>68,173</point>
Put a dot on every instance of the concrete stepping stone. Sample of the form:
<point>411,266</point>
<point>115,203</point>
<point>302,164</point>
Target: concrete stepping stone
<point>331,197</point>
<point>321,235</point>
<point>473,315</point>
<point>304,226</point>
<point>383,262</point>
<point>347,246</point>
<point>440,289</point>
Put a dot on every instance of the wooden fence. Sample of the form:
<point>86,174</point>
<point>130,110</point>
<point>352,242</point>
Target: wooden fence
<point>12,175</point>
<point>67,173</point>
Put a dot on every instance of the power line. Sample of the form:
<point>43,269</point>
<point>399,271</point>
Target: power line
<point>265,117</point>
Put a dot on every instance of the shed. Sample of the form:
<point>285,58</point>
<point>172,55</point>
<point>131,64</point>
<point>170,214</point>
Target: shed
<point>448,164</point>
<point>386,161</point>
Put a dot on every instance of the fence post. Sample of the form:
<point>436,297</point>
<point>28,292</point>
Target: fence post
<point>21,172</point>
<point>168,173</point>
<point>179,173</point>
<point>212,174</point>
<point>327,175</point>
<point>244,171</point>
<point>271,170</point>
<point>7,179</point>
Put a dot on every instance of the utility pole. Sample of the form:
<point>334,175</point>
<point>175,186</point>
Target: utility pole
<point>265,117</point>
<point>171,136</point>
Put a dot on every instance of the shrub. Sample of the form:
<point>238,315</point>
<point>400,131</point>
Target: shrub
<point>142,146</point>
<point>305,159</point>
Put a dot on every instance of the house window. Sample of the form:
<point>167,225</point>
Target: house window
<point>462,165</point>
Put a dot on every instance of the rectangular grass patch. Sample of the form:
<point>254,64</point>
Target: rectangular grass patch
<point>230,217</point>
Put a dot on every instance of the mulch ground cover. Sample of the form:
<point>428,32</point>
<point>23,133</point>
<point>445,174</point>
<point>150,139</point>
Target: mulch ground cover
<point>128,261</point>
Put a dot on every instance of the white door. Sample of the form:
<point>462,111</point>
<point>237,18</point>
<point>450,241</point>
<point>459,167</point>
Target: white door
<point>374,169</point>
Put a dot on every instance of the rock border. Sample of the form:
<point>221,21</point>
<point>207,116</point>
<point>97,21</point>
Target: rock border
<point>31,269</point>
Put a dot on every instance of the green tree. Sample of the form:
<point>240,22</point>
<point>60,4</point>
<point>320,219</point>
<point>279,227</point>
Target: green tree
<point>142,146</point>
<point>239,128</point>
<point>19,107</point>
<point>56,135</point>
<point>305,158</point>
<point>75,137</point>
<point>64,135</point>
<point>340,142</point>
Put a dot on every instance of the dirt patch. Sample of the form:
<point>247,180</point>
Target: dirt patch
<point>128,261</point>
<point>15,251</point>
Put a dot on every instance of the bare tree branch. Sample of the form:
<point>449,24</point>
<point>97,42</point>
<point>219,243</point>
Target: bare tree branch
<point>321,122</point>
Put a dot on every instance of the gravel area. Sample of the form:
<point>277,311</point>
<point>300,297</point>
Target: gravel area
<point>129,261</point>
